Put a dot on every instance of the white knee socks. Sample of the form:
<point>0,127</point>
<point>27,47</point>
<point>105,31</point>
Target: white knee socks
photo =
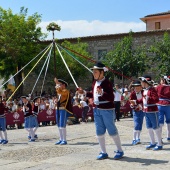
<point>117,142</point>
<point>168,130</point>
<point>62,133</point>
<point>101,140</point>
<point>35,129</point>
<point>1,137</point>
<point>5,135</point>
<point>158,136</point>
<point>151,135</point>
<point>136,134</point>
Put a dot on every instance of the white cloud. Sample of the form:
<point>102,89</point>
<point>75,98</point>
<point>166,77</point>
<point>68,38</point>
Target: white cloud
<point>81,28</point>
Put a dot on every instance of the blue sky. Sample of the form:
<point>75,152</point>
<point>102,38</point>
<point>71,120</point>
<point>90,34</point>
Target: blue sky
<point>90,17</point>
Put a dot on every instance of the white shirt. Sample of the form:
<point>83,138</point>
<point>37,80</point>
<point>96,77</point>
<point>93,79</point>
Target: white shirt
<point>117,96</point>
<point>83,103</point>
<point>145,99</point>
<point>95,94</point>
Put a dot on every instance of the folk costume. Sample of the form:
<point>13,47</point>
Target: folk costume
<point>138,114</point>
<point>3,108</point>
<point>63,111</point>
<point>29,119</point>
<point>104,112</point>
<point>35,114</point>
<point>163,91</point>
<point>149,100</point>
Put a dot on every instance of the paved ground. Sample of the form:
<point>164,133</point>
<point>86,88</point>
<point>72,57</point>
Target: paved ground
<point>81,151</point>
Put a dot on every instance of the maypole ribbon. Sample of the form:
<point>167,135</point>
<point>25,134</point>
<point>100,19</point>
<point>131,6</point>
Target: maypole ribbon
<point>28,73</point>
<point>42,70</point>
<point>45,72</point>
<point>23,67</point>
<point>75,58</point>
<point>110,69</point>
<point>67,67</point>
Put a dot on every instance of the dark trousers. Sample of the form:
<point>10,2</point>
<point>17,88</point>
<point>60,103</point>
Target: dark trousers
<point>117,109</point>
<point>84,113</point>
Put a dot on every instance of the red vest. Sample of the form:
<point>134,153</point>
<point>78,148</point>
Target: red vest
<point>164,95</point>
<point>151,102</point>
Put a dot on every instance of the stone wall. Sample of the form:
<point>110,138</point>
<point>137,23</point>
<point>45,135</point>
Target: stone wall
<point>98,47</point>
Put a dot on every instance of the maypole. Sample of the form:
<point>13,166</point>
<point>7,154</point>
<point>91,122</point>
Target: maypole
<point>52,27</point>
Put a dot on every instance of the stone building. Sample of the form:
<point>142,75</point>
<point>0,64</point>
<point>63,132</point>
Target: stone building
<point>99,46</point>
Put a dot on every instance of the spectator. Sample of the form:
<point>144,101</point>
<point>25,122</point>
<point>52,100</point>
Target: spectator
<point>117,100</point>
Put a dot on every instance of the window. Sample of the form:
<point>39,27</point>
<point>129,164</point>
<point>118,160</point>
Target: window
<point>157,25</point>
<point>101,54</point>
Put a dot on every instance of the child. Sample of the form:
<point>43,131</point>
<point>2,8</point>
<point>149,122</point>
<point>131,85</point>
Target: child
<point>149,100</point>
<point>29,123</point>
<point>163,91</point>
<point>138,114</point>
<point>64,109</point>
<point>36,101</point>
<point>3,108</point>
<point>104,113</point>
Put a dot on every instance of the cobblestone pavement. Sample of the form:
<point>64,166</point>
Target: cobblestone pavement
<point>81,151</point>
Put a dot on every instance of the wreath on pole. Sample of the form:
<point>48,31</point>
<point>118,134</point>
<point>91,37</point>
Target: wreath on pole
<point>53,26</point>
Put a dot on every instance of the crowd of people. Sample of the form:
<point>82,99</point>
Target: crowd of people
<point>145,99</point>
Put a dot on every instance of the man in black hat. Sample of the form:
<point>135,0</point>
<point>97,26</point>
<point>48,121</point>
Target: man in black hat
<point>104,113</point>
<point>64,109</point>
<point>138,114</point>
<point>3,108</point>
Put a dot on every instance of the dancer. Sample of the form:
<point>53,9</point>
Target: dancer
<point>104,113</point>
<point>29,123</point>
<point>36,101</point>
<point>163,91</point>
<point>149,100</point>
<point>3,108</point>
<point>64,109</point>
<point>138,114</point>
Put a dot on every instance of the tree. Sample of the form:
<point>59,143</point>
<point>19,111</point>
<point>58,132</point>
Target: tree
<point>77,70</point>
<point>19,35</point>
<point>127,59</point>
<point>160,57</point>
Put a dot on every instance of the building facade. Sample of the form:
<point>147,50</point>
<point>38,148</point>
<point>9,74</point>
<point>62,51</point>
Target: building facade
<point>99,46</point>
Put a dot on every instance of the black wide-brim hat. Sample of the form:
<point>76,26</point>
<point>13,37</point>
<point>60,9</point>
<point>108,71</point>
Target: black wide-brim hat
<point>63,82</point>
<point>146,79</point>
<point>37,97</point>
<point>136,83</point>
<point>99,66</point>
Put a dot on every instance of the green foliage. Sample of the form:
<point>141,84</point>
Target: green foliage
<point>53,26</point>
<point>19,35</point>
<point>160,55</point>
<point>126,58</point>
<point>77,70</point>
